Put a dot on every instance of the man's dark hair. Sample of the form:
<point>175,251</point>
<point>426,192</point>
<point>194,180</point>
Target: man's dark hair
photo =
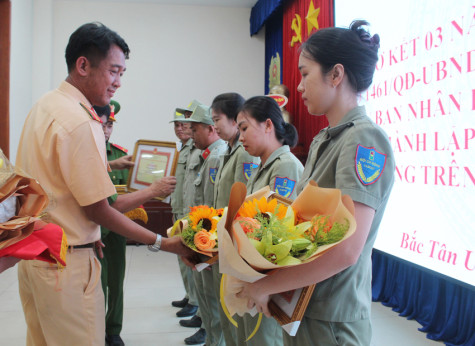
<point>93,41</point>
<point>104,110</point>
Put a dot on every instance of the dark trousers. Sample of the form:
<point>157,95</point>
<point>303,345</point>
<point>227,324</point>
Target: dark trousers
<point>112,277</point>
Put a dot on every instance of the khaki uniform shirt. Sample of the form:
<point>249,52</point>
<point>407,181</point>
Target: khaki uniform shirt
<point>356,157</point>
<point>204,182</point>
<point>64,149</point>
<point>235,165</point>
<point>281,172</point>
<point>177,195</point>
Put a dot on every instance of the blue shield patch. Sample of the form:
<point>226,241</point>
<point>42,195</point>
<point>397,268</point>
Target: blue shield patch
<point>248,167</point>
<point>212,174</point>
<point>284,186</point>
<point>369,164</point>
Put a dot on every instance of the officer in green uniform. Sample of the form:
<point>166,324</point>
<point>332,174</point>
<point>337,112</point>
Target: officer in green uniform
<point>189,304</point>
<point>113,262</point>
<point>202,193</point>
<point>265,133</point>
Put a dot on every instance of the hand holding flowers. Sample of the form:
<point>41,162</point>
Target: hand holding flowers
<point>271,232</point>
<point>198,229</point>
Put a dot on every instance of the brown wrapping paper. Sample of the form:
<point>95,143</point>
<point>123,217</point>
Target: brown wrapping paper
<point>31,198</point>
<point>239,258</point>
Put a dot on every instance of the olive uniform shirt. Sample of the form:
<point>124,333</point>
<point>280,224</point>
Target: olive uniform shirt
<point>177,195</point>
<point>204,182</point>
<point>193,166</point>
<point>281,172</point>
<point>235,165</point>
<point>356,157</point>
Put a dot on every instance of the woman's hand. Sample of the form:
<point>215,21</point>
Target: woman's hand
<point>255,298</point>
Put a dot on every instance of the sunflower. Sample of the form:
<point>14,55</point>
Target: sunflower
<point>251,208</point>
<point>205,216</point>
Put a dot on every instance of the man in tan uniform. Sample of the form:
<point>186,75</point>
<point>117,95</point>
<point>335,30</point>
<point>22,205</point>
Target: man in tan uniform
<point>62,145</point>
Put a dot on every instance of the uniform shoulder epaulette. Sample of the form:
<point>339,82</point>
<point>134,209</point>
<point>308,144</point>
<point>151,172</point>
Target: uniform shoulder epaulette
<point>92,113</point>
<point>120,148</point>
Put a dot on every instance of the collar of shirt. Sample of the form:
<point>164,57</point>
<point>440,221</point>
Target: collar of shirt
<point>71,90</point>
<point>232,149</point>
<point>347,121</point>
<point>210,148</point>
<point>282,150</point>
<point>189,143</point>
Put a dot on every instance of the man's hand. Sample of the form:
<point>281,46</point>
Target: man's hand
<point>175,245</point>
<point>163,187</point>
<point>99,245</point>
<point>123,162</point>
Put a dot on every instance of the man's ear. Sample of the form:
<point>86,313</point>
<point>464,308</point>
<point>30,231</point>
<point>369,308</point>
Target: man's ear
<point>82,66</point>
<point>211,129</point>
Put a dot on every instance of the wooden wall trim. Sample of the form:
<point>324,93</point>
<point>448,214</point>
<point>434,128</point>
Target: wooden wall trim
<point>5,24</point>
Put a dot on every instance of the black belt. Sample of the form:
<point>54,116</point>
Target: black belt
<point>83,246</point>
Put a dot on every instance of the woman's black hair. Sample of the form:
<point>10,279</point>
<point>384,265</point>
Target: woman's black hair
<point>228,104</point>
<point>93,41</point>
<point>354,48</point>
<point>261,108</point>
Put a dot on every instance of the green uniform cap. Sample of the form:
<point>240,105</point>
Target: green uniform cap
<point>177,116</point>
<point>190,108</point>
<point>115,108</point>
<point>202,114</point>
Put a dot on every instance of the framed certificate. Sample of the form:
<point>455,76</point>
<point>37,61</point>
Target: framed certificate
<point>288,307</point>
<point>153,160</point>
<point>121,189</point>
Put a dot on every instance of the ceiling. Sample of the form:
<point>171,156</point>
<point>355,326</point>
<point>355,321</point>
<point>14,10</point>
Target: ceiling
<point>223,3</point>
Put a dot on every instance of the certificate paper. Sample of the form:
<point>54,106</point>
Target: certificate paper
<point>151,165</point>
<point>153,160</point>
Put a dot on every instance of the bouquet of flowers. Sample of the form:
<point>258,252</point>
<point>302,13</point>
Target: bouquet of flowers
<point>198,230</point>
<point>281,235</point>
<point>265,232</point>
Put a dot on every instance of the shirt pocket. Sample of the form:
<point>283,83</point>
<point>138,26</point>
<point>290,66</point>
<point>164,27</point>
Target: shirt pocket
<point>199,179</point>
<point>182,160</point>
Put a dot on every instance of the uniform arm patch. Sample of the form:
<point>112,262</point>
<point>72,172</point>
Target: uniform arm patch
<point>369,164</point>
<point>284,186</point>
<point>247,168</point>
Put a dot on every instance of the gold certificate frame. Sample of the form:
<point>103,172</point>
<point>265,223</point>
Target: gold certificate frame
<point>153,160</point>
<point>289,307</point>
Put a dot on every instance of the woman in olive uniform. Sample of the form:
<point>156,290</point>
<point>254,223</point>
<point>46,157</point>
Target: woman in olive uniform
<point>264,133</point>
<point>235,165</point>
<point>354,155</point>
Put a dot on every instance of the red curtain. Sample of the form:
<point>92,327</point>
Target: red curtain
<point>294,27</point>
